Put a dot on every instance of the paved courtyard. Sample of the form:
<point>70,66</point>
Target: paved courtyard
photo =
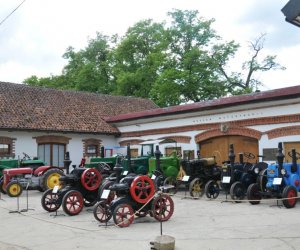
<point>195,224</point>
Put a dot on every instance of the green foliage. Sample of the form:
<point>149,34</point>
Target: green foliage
<point>171,63</point>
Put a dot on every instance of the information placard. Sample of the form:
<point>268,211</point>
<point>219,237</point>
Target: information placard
<point>125,172</point>
<point>226,179</point>
<point>185,178</point>
<point>105,194</point>
<point>277,181</point>
<point>153,177</point>
<point>55,189</point>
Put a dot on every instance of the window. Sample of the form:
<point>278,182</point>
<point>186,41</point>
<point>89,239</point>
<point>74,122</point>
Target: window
<point>52,154</point>
<point>52,149</point>
<point>170,150</point>
<point>7,147</point>
<point>91,147</point>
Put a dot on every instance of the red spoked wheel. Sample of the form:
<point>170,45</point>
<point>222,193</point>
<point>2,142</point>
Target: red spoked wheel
<point>142,189</point>
<point>162,207</point>
<point>102,212</point>
<point>123,215</point>
<point>50,201</point>
<point>72,202</point>
<point>91,179</point>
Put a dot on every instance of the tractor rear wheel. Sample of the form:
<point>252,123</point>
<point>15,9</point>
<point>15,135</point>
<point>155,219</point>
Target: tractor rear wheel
<point>171,181</point>
<point>253,194</point>
<point>50,178</point>
<point>290,194</point>
<point>102,212</point>
<point>14,189</point>
<point>212,189</point>
<point>237,191</point>
<point>50,201</point>
<point>72,202</point>
<point>196,188</point>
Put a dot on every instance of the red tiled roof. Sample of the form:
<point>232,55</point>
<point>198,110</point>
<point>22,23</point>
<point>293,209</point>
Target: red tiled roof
<point>24,107</point>
<point>255,97</point>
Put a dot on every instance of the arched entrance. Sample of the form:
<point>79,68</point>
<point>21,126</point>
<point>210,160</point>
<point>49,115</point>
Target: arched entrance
<point>219,147</point>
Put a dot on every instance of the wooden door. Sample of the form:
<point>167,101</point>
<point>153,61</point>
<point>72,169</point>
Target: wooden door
<point>287,147</point>
<point>219,147</point>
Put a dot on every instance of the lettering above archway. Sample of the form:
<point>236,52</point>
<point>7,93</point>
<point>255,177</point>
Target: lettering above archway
<point>228,131</point>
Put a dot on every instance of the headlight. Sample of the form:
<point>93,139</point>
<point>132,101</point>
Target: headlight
<point>256,170</point>
<point>283,171</point>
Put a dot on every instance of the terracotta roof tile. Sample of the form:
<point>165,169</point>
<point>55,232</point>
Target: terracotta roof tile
<point>26,107</point>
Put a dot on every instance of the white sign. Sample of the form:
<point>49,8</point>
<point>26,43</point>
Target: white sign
<point>185,178</point>
<point>125,172</point>
<point>153,177</point>
<point>226,179</point>
<point>55,189</point>
<point>277,181</point>
<point>105,194</point>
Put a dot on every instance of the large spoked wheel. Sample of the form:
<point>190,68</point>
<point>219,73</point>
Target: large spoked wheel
<point>72,202</point>
<point>162,207</point>
<point>102,212</point>
<point>123,215</point>
<point>253,194</point>
<point>2,190</point>
<point>14,189</point>
<point>50,178</point>
<point>91,179</point>
<point>195,188</point>
<point>212,189</point>
<point>50,201</point>
<point>237,191</point>
<point>290,194</point>
<point>171,181</point>
<point>142,189</point>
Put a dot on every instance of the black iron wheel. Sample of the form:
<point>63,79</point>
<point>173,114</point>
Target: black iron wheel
<point>50,201</point>
<point>212,189</point>
<point>253,194</point>
<point>237,191</point>
<point>171,181</point>
<point>102,212</point>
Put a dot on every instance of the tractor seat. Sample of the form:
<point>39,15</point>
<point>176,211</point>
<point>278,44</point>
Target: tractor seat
<point>119,187</point>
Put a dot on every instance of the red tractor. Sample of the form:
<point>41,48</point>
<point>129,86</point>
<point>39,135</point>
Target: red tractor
<point>40,178</point>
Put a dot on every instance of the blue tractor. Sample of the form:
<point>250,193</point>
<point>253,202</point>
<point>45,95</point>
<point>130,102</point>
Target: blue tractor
<point>280,180</point>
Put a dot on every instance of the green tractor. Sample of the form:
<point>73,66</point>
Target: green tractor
<point>26,161</point>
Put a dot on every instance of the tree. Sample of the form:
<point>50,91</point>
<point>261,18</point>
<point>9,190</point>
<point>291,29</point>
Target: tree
<point>239,83</point>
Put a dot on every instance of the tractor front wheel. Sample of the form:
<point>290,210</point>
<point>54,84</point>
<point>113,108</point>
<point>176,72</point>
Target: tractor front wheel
<point>14,189</point>
<point>102,212</point>
<point>253,194</point>
<point>195,188</point>
<point>237,191</point>
<point>212,189</point>
<point>50,201</point>
<point>290,195</point>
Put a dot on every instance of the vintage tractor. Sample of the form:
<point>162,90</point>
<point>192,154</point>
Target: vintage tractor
<point>80,188</point>
<point>26,161</point>
<point>40,178</point>
<point>200,171</point>
<point>235,176</point>
<point>280,180</point>
<point>135,196</point>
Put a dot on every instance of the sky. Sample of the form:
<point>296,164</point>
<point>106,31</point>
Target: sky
<point>35,37</point>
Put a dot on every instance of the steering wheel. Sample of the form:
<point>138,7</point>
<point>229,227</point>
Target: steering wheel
<point>249,155</point>
<point>26,156</point>
<point>297,155</point>
<point>104,166</point>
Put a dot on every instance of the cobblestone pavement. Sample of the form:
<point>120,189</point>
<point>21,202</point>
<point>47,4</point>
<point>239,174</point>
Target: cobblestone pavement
<point>195,224</point>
